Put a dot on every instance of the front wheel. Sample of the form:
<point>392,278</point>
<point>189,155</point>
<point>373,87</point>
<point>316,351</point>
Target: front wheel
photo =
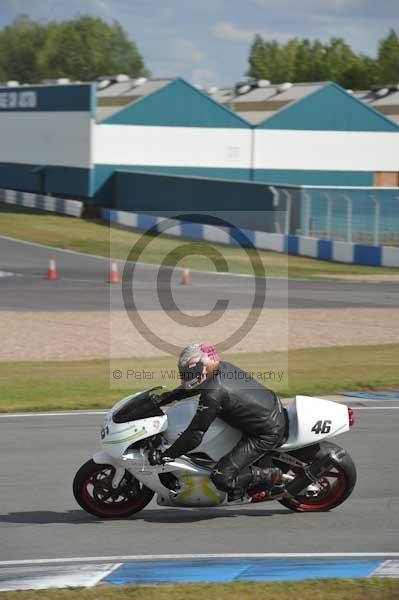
<point>331,490</point>
<point>92,488</point>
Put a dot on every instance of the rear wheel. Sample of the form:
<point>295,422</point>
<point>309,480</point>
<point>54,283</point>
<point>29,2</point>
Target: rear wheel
<point>331,490</point>
<point>92,488</point>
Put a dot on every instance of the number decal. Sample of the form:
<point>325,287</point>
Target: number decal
<point>322,427</point>
<point>326,427</point>
<point>104,432</point>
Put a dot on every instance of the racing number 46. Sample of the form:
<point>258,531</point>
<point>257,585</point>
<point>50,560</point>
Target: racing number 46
<point>322,427</point>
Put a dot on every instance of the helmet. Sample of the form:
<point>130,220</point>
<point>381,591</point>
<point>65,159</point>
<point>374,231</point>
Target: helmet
<point>197,362</point>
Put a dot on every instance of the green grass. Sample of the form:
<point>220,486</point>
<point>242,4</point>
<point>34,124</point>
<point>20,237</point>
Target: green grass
<point>94,237</point>
<point>26,386</point>
<point>327,589</point>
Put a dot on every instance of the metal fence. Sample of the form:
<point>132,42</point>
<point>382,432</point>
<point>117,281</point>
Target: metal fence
<point>358,215</point>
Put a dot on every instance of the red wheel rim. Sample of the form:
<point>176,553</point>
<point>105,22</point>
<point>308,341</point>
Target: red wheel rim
<point>331,498</point>
<point>112,509</point>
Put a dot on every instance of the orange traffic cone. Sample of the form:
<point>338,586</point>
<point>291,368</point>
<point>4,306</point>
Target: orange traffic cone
<point>52,269</point>
<point>113,274</point>
<point>185,280</point>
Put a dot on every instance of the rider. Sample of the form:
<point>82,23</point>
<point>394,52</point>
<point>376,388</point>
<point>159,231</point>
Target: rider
<point>233,395</point>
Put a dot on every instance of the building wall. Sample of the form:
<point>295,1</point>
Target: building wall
<point>206,152</point>
<point>326,138</point>
<point>291,176</point>
<point>361,151</point>
<point>176,129</point>
<point>45,143</point>
<point>242,203</point>
<point>329,108</point>
<point>50,143</point>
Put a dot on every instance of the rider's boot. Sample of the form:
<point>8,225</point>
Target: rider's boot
<point>255,480</point>
<point>265,483</point>
<point>235,494</point>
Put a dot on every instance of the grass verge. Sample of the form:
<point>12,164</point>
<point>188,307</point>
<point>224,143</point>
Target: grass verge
<point>328,589</point>
<point>26,386</point>
<point>93,237</point>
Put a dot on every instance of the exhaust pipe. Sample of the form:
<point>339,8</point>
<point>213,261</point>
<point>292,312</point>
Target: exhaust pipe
<point>314,471</point>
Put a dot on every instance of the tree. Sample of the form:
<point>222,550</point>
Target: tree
<point>388,58</point>
<point>317,64</point>
<point>338,59</point>
<point>361,74</point>
<point>86,48</point>
<point>303,60</point>
<point>82,49</point>
<point>258,64</point>
<point>269,60</point>
<point>289,53</point>
<point>19,45</point>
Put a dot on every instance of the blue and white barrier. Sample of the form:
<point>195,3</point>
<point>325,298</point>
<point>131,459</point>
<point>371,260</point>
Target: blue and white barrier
<point>385,256</point>
<point>72,208</point>
<point>61,573</point>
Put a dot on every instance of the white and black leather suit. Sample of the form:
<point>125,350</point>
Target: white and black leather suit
<point>235,397</point>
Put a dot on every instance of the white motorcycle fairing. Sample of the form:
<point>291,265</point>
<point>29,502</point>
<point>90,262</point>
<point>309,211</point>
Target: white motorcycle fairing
<point>303,414</point>
<point>117,437</point>
<point>310,421</point>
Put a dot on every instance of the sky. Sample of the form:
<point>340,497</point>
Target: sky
<point>207,41</point>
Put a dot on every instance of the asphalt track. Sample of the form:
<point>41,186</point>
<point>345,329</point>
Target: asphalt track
<point>40,454</point>
<point>82,286</point>
<point>40,519</point>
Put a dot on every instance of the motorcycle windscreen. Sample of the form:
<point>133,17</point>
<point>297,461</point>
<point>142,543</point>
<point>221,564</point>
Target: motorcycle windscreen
<point>140,406</point>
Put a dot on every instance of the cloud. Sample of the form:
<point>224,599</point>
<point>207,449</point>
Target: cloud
<point>184,52</point>
<point>208,41</point>
<point>205,76</point>
<point>345,8</point>
<point>360,22</point>
<point>179,56</point>
<point>55,9</point>
<point>228,32</point>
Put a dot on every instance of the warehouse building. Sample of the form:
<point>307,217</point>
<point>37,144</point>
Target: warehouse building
<point>260,99</point>
<point>79,140</point>
<point>46,138</point>
<point>327,137</point>
<point>171,128</point>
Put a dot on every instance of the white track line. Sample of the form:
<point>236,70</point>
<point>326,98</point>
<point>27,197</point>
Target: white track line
<point>356,408</point>
<point>143,264</point>
<point>77,413</point>
<point>17,241</point>
<point>53,248</point>
<point>102,575</point>
<point>73,413</point>
<point>141,557</point>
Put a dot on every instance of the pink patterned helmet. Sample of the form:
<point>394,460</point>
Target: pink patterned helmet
<point>197,362</point>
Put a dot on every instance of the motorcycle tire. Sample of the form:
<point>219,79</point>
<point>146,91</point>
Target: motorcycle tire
<point>94,493</point>
<point>335,486</point>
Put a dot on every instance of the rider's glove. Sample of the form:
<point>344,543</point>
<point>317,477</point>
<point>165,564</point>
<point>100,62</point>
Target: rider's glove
<point>156,457</point>
<point>164,398</point>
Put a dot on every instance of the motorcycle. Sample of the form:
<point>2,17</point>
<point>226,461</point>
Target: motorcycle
<point>119,481</point>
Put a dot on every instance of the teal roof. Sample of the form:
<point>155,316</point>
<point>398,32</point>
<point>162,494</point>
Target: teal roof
<point>177,104</point>
<point>329,108</point>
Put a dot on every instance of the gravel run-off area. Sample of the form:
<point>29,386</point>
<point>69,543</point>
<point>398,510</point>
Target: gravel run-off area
<point>74,336</point>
